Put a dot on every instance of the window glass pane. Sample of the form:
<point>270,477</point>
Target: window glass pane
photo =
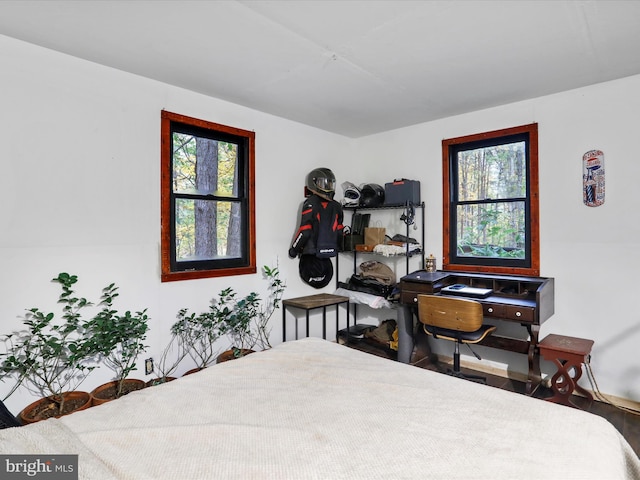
<point>228,169</point>
<point>207,229</point>
<point>495,230</point>
<point>494,172</point>
<point>202,166</point>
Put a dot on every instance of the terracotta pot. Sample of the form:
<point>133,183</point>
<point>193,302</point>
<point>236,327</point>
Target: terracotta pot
<point>229,355</point>
<point>44,408</point>
<point>159,381</point>
<point>107,391</point>
<point>193,370</point>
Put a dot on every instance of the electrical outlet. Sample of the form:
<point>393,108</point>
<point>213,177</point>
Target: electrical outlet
<point>148,366</point>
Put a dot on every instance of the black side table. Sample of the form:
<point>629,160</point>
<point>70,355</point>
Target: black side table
<point>311,302</point>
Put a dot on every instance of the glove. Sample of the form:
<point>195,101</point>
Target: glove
<point>292,253</point>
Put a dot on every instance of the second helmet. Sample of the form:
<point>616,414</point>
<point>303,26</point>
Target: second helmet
<point>371,195</point>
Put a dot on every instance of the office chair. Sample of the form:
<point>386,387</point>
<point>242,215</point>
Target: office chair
<point>457,319</point>
<point>7,419</point>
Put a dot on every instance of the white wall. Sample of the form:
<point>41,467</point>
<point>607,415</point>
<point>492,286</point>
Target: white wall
<point>591,252</point>
<point>81,190</point>
<point>80,162</point>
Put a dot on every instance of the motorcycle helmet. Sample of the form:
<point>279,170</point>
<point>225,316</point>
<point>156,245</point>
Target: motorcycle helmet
<point>315,271</point>
<point>322,182</point>
<point>371,195</point>
<point>351,194</point>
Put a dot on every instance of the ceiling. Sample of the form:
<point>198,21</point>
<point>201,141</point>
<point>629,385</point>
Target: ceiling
<point>351,67</point>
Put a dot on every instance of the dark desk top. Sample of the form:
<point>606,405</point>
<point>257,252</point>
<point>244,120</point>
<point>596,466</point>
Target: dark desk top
<point>432,277</point>
<point>512,291</point>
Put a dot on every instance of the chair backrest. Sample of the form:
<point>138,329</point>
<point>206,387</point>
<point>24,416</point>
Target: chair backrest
<point>453,313</point>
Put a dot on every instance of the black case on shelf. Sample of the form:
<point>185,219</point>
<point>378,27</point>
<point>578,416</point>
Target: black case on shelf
<point>399,192</point>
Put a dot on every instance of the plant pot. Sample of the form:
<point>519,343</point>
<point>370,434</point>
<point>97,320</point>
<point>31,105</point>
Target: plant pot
<point>159,381</point>
<point>193,370</point>
<point>230,355</point>
<point>47,408</point>
<point>107,391</point>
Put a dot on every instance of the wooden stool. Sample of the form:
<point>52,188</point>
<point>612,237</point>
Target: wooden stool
<point>568,353</point>
<point>321,300</point>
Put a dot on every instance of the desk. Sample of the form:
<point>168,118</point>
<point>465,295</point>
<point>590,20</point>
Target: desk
<point>311,302</point>
<point>568,353</point>
<point>528,301</point>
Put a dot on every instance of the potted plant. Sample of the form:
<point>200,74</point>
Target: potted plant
<point>119,340</point>
<point>246,321</point>
<point>236,319</point>
<point>169,361</point>
<point>51,356</point>
<point>196,336</point>
<point>276,288</point>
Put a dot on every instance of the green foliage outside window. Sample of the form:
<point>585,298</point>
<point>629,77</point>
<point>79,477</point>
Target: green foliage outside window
<point>185,180</point>
<point>491,207</point>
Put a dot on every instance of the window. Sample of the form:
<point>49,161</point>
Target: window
<point>207,197</point>
<point>490,202</point>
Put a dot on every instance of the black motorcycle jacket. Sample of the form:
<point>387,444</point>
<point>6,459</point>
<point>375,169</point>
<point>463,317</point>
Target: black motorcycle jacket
<point>320,230</point>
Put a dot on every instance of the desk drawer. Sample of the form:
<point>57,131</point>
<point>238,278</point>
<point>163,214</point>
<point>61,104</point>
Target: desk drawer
<point>509,312</point>
<point>409,298</point>
<point>495,310</point>
<point>521,314</point>
<point>411,290</point>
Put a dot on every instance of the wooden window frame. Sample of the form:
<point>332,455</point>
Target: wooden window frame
<point>533,199</point>
<point>167,235</point>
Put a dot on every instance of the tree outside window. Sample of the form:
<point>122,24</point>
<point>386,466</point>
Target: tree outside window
<point>491,202</point>
<point>207,199</point>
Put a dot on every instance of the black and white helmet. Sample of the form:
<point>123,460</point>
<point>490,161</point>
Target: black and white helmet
<point>322,182</point>
<point>351,194</point>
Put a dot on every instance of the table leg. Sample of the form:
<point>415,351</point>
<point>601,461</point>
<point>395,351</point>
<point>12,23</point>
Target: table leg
<point>564,383</point>
<point>348,306</point>
<point>405,334</point>
<point>346,338</point>
<point>324,323</point>
<point>534,377</point>
<point>284,324</point>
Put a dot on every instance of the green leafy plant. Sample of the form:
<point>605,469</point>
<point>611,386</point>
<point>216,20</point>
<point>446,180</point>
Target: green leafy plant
<point>196,336</point>
<point>236,317</point>
<point>244,320</point>
<point>276,289</point>
<point>170,358</point>
<point>51,355</point>
<point>119,338</point>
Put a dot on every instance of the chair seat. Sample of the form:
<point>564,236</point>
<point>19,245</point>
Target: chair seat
<point>458,336</point>
<point>7,419</point>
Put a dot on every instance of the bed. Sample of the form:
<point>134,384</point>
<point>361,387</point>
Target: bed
<point>313,409</point>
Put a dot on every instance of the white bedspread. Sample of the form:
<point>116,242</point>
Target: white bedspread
<point>312,409</point>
